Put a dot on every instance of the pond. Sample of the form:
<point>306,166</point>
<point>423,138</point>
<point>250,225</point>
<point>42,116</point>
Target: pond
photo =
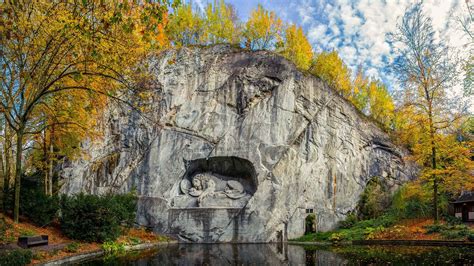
<point>273,254</point>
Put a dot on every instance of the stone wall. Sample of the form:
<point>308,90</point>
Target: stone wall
<point>307,147</point>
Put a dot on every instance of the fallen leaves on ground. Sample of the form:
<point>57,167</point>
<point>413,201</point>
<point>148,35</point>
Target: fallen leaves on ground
<point>410,229</point>
<point>59,245</point>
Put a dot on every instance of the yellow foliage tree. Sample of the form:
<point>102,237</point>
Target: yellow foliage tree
<point>329,67</point>
<point>185,27</point>
<point>360,89</point>
<point>66,119</point>
<point>221,25</point>
<point>262,30</point>
<point>296,47</point>
<point>381,103</point>
<point>455,168</point>
<point>427,71</point>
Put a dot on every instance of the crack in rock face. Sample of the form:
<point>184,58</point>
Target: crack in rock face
<point>237,146</point>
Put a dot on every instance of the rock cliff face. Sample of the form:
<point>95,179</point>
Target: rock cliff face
<point>237,146</point>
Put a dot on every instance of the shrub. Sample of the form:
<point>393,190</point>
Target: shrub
<point>349,222</point>
<point>113,248</point>
<point>310,223</point>
<point>451,234</point>
<point>16,257</point>
<point>470,236</point>
<point>435,228</point>
<point>412,200</point>
<point>451,220</point>
<point>336,238</point>
<point>72,247</point>
<point>96,218</point>
<point>456,231</point>
<point>374,200</point>
<point>125,206</point>
<point>449,231</point>
<point>27,232</point>
<point>370,232</point>
<point>40,208</point>
<point>385,220</point>
<point>134,240</point>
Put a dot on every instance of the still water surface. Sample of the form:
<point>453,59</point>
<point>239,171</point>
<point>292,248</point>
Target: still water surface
<point>273,254</point>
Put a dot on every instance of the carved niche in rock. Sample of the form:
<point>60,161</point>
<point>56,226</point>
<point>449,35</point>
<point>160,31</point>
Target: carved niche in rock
<point>218,182</point>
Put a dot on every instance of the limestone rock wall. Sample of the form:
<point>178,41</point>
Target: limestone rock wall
<point>309,148</point>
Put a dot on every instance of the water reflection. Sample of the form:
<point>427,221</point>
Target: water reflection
<point>272,254</point>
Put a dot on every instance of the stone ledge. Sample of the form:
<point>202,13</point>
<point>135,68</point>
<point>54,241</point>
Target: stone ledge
<point>414,243</point>
<point>98,253</point>
<point>206,208</point>
<point>320,243</point>
<point>75,258</point>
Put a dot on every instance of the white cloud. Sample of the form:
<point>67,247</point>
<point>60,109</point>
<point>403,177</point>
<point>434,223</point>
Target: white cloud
<point>351,22</point>
<point>349,53</point>
<point>305,11</point>
<point>318,33</point>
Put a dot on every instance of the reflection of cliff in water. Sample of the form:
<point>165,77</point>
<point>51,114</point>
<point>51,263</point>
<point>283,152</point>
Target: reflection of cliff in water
<point>273,254</point>
<point>232,254</point>
<point>244,254</point>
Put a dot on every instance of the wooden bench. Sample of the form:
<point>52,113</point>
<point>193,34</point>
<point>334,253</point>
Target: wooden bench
<point>31,241</point>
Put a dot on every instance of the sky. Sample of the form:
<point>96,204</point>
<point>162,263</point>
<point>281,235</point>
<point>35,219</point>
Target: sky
<point>357,29</point>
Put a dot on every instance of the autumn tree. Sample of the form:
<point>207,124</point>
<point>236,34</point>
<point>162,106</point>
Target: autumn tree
<point>48,47</point>
<point>426,71</point>
<point>360,91</point>
<point>2,168</point>
<point>6,159</point>
<point>67,119</point>
<point>455,164</point>
<point>296,47</point>
<point>330,68</point>
<point>380,102</point>
<point>185,26</point>
<point>221,24</point>
<point>262,30</point>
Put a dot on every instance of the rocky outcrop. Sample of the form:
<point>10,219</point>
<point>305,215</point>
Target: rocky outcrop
<point>236,146</point>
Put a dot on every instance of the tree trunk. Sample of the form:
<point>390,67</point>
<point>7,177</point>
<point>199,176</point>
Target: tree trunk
<point>433,166</point>
<point>44,167</point>
<point>2,185</point>
<point>7,169</point>
<point>50,175</point>
<point>19,151</point>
